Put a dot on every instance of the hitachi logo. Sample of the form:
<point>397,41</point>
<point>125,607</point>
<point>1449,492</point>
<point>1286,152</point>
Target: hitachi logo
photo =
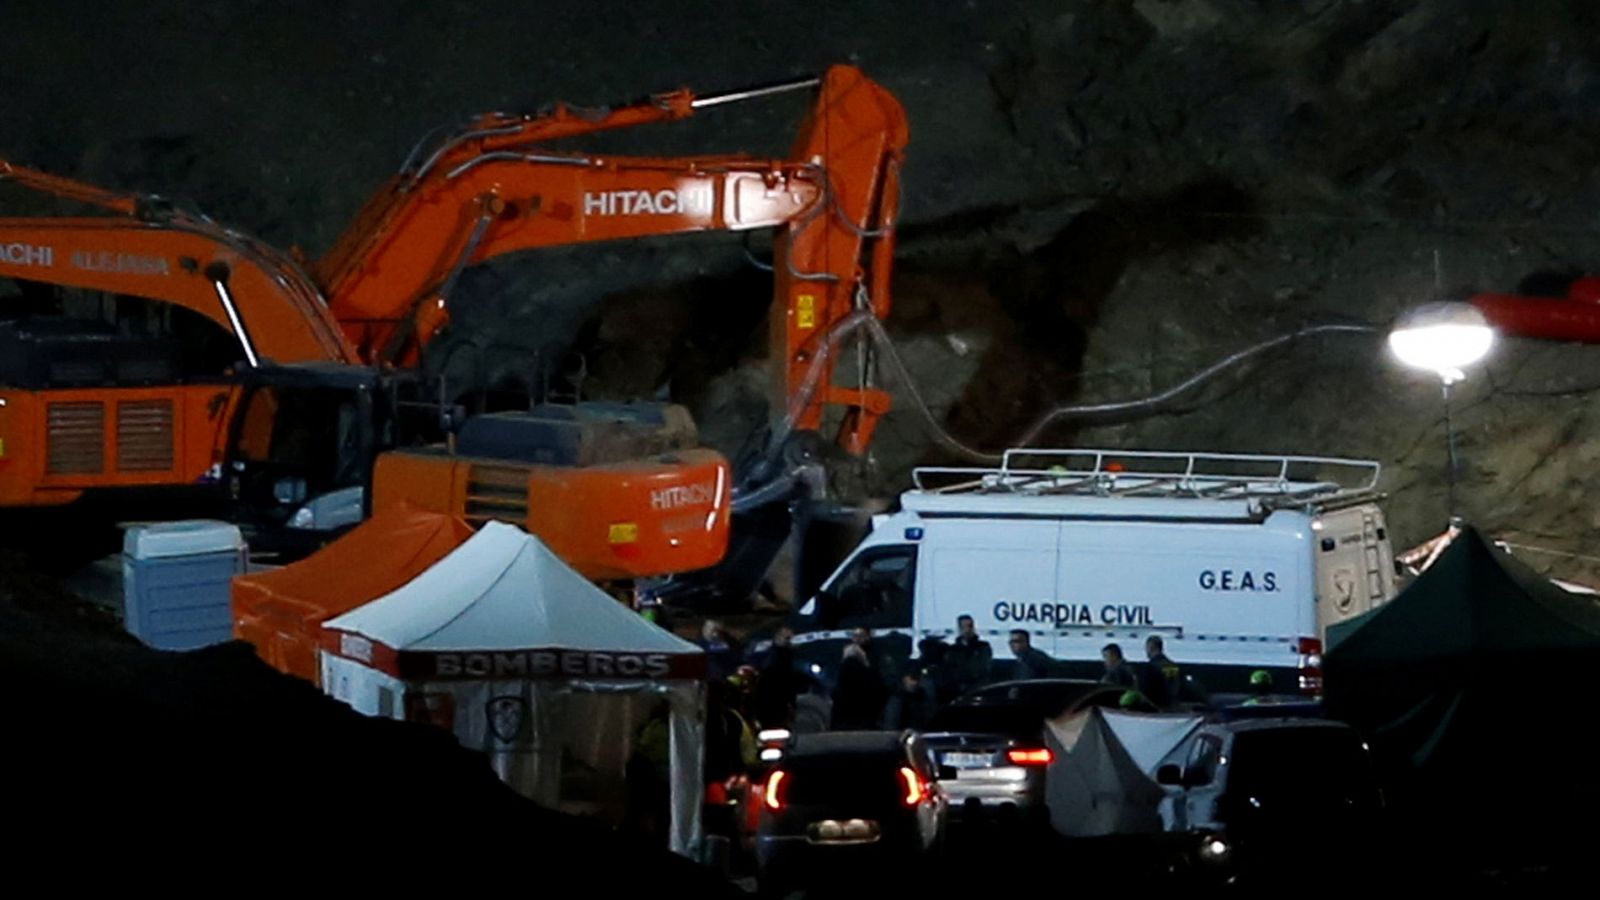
<point>20,254</point>
<point>108,261</point>
<point>646,203</point>
<point>703,494</point>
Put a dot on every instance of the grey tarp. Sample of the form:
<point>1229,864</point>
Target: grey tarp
<point>1102,780</point>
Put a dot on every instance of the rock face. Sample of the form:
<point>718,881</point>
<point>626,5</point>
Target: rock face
<point>1100,198</point>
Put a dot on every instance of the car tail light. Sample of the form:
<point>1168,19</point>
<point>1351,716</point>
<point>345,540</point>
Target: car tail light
<point>1310,650</point>
<point>915,789</point>
<point>772,796</point>
<point>1038,757</point>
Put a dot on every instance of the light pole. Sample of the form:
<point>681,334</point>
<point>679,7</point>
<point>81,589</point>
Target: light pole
<point>1443,338</point>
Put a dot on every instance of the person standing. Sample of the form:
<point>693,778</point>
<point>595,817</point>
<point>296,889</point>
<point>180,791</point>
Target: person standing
<point>877,654</point>
<point>1031,663</point>
<point>779,683</point>
<point>909,707</point>
<point>813,711</point>
<point>1161,681</point>
<point>967,661</point>
<point>722,653</point>
<point>649,774</point>
<point>930,664</point>
<point>1117,672</point>
<point>858,697</point>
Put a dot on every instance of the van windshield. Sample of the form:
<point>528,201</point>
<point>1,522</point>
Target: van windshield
<point>873,590</point>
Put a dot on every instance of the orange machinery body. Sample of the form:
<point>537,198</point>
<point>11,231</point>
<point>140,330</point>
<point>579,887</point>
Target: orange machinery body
<point>380,294</point>
<point>637,518</point>
<point>1575,317</point>
<point>56,444</point>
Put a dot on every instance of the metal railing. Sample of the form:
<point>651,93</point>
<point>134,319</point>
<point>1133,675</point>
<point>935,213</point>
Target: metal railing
<point>1146,473</point>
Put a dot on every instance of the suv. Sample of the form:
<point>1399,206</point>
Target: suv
<point>838,800</point>
<point>990,743</point>
<point>1257,794</point>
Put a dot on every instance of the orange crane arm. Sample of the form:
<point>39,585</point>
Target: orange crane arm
<point>493,189</point>
<point>828,269</point>
<point>150,250</point>
<point>392,302</point>
<point>342,268</point>
<point>68,189</point>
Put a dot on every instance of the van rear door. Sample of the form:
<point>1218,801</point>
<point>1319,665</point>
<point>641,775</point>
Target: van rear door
<point>1355,564</point>
<point>1002,572</point>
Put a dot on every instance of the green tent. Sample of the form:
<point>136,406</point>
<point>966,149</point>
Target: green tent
<point>1474,604</point>
<point>1475,687</point>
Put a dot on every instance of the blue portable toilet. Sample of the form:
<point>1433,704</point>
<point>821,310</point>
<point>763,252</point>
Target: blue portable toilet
<point>177,580</point>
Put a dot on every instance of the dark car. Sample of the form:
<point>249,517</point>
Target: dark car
<point>990,743</point>
<point>1265,795</point>
<point>842,802</point>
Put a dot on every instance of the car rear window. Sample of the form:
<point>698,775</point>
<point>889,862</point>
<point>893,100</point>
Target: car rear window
<point>1012,721</point>
<point>1300,760</point>
<point>843,777</point>
<point>1046,699</point>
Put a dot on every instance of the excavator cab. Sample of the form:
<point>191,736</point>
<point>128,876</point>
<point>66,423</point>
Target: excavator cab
<point>302,450</point>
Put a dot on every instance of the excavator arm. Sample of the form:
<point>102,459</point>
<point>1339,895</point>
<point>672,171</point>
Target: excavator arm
<point>393,303</point>
<point>233,287</point>
<point>143,248</point>
<point>494,189</point>
<point>831,267</point>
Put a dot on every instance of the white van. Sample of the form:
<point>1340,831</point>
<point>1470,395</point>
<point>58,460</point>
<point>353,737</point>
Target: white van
<point>1238,562</point>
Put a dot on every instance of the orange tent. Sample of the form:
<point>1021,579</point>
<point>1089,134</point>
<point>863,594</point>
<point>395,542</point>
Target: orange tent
<point>281,611</point>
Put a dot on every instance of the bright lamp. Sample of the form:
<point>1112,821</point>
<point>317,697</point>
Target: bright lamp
<point>1442,338</point>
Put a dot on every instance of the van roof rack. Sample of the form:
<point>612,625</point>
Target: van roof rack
<point>1280,480</point>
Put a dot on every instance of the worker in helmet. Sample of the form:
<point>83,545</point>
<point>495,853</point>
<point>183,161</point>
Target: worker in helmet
<point>742,691</point>
<point>1133,701</point>
<point>1260,688</point>
<point>649,773</point>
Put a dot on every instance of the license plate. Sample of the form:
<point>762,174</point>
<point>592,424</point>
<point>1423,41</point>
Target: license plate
<point>967,760</point>
<point>842,831</point>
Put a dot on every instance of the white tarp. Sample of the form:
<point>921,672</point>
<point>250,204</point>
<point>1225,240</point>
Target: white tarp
<point>1102,780</point>
<point>491,593</point>
<point>1147,737</point>
<point>527,661</point>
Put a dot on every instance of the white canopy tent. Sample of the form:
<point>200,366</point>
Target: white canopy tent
<point>525,659</point>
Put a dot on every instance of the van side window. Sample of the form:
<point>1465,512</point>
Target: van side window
<point>1203,760</point>
<point>874,591</point>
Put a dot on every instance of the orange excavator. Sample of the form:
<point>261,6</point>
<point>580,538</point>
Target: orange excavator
<point>328,382</point>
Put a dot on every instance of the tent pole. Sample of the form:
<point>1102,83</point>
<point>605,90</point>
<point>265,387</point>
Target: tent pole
<point>1450,446</point>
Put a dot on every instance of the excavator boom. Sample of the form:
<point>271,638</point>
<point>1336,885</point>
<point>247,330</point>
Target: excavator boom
<point>150,249</point>
<point>494,188</point>
<point>172,263</point>
<point>505,203</point>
